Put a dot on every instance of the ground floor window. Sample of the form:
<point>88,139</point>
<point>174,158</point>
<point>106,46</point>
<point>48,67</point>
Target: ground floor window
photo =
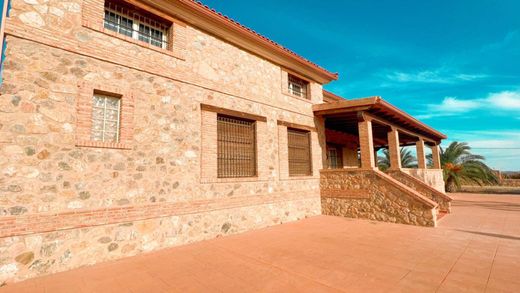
<point>299,152</point>
<point>236,147</point>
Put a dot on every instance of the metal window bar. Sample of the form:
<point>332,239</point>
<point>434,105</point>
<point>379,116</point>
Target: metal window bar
<point>299,143</point>
<point>297,86</point>
<point>236,147</point>
<point>104,105</point>
<point>125,21</point>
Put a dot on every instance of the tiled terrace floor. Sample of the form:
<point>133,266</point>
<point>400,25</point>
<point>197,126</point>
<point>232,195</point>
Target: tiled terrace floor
<point>476,248</point>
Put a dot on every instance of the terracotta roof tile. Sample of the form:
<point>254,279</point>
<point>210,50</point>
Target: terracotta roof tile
<point>258,35</point>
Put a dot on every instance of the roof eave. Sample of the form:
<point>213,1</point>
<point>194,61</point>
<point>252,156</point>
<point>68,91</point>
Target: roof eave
<point>202,17</point>
<point>366,104</point>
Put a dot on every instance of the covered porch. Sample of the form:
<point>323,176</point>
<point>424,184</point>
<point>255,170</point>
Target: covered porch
<point>355,130</point>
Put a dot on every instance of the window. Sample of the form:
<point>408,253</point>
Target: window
<point>299,152</point>
<point>106,116</point>
<point>140,25</point>
<point>334,157</point>
<point>298,86</point>
<point>236,147</point>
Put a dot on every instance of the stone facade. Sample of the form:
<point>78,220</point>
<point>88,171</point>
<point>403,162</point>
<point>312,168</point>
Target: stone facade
<point>443,200</point>
<point>65,203</point>
<point>370,194</point>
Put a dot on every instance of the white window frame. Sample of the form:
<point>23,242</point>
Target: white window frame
<point>304,89</point>
<point>135,29</point>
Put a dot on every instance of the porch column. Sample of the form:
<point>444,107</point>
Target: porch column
<point>366,144</point>
<point>394,149</point>
<point>436,156</point>
<point>421,158</point>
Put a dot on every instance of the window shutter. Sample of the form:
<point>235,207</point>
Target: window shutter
<point>236,148</point>
<point>299,152</point>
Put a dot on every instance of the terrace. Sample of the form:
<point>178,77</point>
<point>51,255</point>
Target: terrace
<point>475,249</point>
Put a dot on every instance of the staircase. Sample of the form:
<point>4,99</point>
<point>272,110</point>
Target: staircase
<point>441,198</point>
<point>374,195</point>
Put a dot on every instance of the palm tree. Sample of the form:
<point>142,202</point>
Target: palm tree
<point>407,159</point>
<point>460,165</point>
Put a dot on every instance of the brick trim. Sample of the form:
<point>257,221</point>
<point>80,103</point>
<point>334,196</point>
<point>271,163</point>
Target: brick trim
<point>84,116</point>
<point>238,114</point>
<point>297,126</point>
<point>93,15</point>
<point>209,161</point>
<point>285,81</point>
<point>48,222</point>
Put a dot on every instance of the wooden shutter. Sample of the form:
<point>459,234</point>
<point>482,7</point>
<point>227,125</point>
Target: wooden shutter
<point>236,148</point>
<point>299,152</point>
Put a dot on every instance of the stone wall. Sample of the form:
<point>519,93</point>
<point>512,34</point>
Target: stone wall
<point>370,194</point>
<point>432,177</point>
<point>63,205</point>
<point>443,200</point>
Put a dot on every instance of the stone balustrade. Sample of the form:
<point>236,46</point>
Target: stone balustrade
<point>371,194</point>
<point>429,191</point>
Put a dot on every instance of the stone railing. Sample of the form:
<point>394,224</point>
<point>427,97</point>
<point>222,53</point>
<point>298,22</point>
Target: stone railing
<point>432,177</point>
<point>371,194</point>
<point>441,198</point>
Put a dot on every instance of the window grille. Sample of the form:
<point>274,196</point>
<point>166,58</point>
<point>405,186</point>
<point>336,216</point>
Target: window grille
<point>236,147</point>
<point>127,21</point>
<point>298,86</point>
<point>106,116</point>
<point>299,152</point>
<point>335,158</point>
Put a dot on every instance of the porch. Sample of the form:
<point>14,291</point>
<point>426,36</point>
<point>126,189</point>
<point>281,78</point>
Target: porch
<point>352,184</point>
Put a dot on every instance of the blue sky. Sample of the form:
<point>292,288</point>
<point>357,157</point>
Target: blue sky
<point>455,65</point>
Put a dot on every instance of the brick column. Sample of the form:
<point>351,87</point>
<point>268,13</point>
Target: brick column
<point>421,158</point>
<point>394,149</point>
<point>366,144</point>
<point>436,156</point>
<point>208,158</point>
<point>283,152</point>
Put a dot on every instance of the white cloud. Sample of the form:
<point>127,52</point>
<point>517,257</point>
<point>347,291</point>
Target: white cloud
<point>499,147</point>
<point>431,76</point>
<point>454,105</point>
<point>505,102</point>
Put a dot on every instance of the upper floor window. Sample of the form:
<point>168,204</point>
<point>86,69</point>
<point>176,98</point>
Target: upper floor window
<point>136,23</point>
<point>298,86</point>
<point>299,152</point>
<point>236,147</point>
<point>106,116</point>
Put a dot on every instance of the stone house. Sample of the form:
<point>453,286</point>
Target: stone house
<point>128,126</point>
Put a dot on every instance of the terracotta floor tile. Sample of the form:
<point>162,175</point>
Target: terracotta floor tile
<point>477,242</point>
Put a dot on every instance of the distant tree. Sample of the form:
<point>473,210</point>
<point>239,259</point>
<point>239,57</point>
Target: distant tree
<point>407,159</point>
<point>460,165</point>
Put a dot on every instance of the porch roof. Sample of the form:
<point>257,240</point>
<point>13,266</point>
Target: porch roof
<point>346,113</point>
